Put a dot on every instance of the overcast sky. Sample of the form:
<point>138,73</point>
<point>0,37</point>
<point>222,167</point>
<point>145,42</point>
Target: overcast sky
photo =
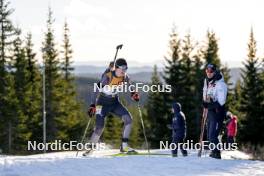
<point>143,26</point>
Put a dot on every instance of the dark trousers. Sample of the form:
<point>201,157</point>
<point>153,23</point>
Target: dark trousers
<point>177,140</point>
<point>113,106</point>
<point>215,120</point>
<point>230,139</point>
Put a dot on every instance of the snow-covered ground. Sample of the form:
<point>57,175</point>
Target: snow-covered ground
<point>101,164</point>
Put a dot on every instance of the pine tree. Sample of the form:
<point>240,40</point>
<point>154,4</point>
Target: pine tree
<point>262,82</point>
<point>34,108</point>
<point>230,91</point>
<point>188,88</point>
<point>67,55</point>
<point>251,98</point>
<point>210,55</point>
<point>7,98</point>
<point>54,84</point>
<point>22,93</point>
<point>173,67</point>
<point>71,118</point>
<point>211,50</point>
<point>235,99</point>
<point>172,76</point>
<point>198,74</point>
<point>156,114</point>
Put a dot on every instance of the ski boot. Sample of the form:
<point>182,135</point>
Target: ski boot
<point>215,154</point>
<point>124,148</point>
<point>174,153</point>
<point>184,153</point>
<point>89,150</point>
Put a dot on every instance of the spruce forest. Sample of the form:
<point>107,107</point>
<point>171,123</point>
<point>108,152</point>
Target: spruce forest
<point>21,90</point>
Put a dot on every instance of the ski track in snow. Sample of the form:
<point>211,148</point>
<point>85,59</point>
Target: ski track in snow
<point>101,164</point>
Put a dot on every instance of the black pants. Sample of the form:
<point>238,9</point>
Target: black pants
<point>106,106</point>
<point>230,139</point>
<point>177,140</point>
<point>215,118</point>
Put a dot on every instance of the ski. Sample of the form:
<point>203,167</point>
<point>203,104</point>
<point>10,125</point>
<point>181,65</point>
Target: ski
<point>139,154</point>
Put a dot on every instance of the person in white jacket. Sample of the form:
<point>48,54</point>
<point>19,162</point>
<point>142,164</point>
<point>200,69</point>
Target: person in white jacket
<point>214,99</point>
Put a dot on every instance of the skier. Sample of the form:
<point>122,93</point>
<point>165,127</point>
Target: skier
<point>231,128</point>
<point>214,98</point>
<point>179,129</point>
<point>107,101</point>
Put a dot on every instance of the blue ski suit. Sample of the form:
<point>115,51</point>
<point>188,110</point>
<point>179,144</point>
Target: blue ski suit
<point>179,128</point>
<point>107,101</point>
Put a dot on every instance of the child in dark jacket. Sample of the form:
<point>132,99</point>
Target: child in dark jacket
<point>178,129</point>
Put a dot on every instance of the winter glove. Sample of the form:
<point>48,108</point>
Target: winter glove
<point>135,96</point>
<point>91,110</point>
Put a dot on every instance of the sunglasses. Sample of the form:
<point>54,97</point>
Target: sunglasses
<point>209,70</point>
<point>123,68</point>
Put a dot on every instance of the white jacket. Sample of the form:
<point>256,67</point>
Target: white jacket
<point>216,90</point>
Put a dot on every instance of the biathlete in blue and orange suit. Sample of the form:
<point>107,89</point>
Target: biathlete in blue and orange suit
<point>107,101</point>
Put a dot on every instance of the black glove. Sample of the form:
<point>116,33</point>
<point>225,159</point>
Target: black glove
<point>91,110</point>
<point>135,96</point>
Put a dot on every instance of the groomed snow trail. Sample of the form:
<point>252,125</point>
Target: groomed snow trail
<point>101,164</point>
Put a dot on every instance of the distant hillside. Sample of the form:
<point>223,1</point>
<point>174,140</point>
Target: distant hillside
<point>87,75</point>
<point>140,74</point>
<point>83,70</point>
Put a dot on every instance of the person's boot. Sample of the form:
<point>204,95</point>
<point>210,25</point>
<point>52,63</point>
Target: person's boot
<point>89,150</point>
<point>184,153</point>
<point>218,155</point>
<point>215,154</point>
<point>174,153</point>
<point>124,148</point>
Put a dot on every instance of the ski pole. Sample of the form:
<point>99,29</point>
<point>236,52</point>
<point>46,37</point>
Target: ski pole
<point>204,117</point>
<point>84,134</point>
<point>143,127</point>
<point>118,47</point>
